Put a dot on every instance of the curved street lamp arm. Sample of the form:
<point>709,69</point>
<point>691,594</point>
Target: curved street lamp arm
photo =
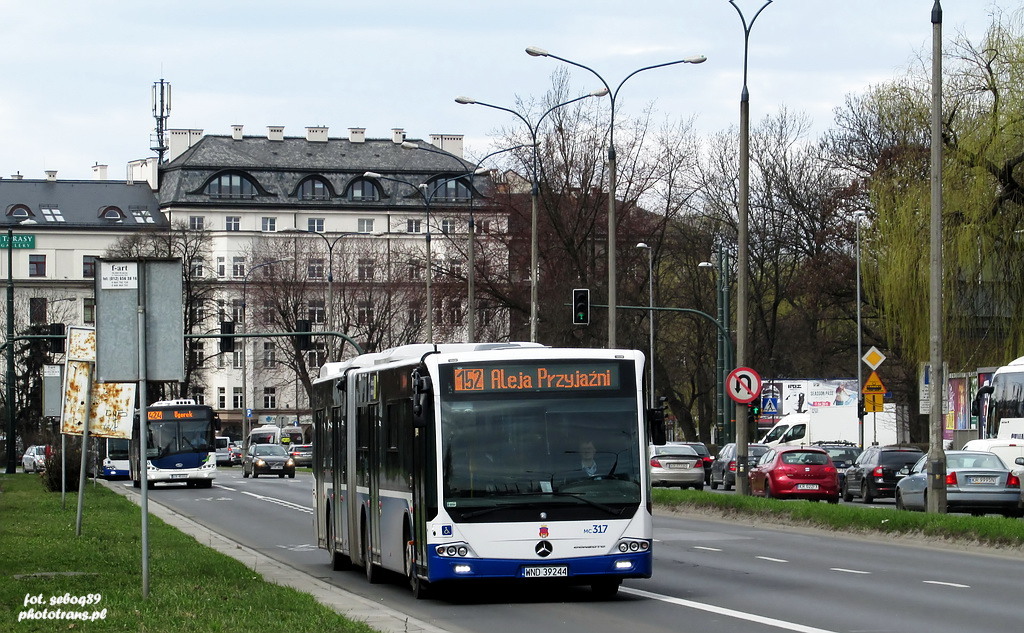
<point>746,38</point>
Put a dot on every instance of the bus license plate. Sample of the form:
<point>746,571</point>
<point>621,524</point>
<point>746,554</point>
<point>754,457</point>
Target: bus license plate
<point>807,486</point>
<point>550,571</point>
<point>179,476</point>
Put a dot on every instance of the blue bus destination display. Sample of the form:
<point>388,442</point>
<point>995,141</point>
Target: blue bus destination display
<point>554,377</point>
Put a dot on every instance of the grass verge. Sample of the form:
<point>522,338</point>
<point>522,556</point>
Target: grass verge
<point>993,531</point>
<point>192,588</point>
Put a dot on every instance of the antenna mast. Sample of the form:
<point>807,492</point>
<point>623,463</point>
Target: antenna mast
<point>161,111</point>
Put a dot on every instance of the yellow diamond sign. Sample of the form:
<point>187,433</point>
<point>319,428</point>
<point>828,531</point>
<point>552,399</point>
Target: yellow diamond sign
<point>873,358</point>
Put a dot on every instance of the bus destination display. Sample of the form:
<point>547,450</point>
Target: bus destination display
<point>518,378</point>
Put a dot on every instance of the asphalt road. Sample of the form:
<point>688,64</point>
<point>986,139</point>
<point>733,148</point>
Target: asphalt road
<point>710,576</point>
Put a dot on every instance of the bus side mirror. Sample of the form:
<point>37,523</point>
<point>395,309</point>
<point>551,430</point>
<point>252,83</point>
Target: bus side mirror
<point>976,403</point>
<point>656,426</point>
<point>422,400</point>
<point>216,422</point>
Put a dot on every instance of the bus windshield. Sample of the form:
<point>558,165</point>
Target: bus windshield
<point>502,458</point>
<point>117,448</point>
<point>174,437</point>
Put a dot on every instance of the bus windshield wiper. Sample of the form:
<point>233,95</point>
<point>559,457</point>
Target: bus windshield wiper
<point>600,506</point>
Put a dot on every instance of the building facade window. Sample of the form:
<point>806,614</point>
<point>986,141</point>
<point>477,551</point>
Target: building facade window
<point>197,352</point>
<point>236,359</point>
<point>366,268</point>
<point>450,190</point>
<point>236,398</point>
<point>316,311</point>
<point>414,314</point>
<point>269,225</point>
<point>89,310</point>
<point>315,269</point>
<point>196,222</point>
<point>317,356</point>
<point>238,267</point>
<point>314,189</point>
<point>415,270</point>
<point>447,226</point>
<point>315,225</point>
<point>231,186</point>
<point>37,310</point>
<point>482,226</point>
<point>37,265</point>
<point>270,397</point>
<point>365,225</point>
<point>89,266</point>
<point>220,267</point>
<point>237,311</point>
<point>364,313</point>
<point>195,269</point>
<point>233,223</point>
<point>362,190</point>
<point>222,399</point>
<point>413,226</point>
<point>269,355</point>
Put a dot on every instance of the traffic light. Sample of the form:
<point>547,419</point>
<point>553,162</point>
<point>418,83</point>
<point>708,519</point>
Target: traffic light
<point>57,345</point>
<point>754,410</point>
<point>581,306</point>
<point>305,341</point>
<point>227,340</point>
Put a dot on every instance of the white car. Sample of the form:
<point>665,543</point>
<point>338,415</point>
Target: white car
<point>34,459</point>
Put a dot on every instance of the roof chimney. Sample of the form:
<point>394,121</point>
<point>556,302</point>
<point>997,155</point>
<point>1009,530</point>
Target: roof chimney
<point>236,132</point>
<point>179,141</point>
<point>397,135</point>
<point>451,143</point>
<point>99,172</point>
<point>316,134</point>
<point>275,132</point>
<point>357,134</point>
<point>51,175</point>
<point>16,176</point>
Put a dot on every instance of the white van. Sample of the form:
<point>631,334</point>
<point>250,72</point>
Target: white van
<point>223,450</point>
<point>1007,450</point>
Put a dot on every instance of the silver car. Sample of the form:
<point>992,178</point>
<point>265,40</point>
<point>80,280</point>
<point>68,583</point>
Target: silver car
<point>34,459</point>
<point>676,465</point>
<point>977,482</point>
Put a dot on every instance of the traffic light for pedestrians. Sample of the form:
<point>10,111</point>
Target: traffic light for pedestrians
<point>227,340</point>
<point>57,345</point>
<point>581,306</point>
<point>754,410</point>
<point>305,341</point>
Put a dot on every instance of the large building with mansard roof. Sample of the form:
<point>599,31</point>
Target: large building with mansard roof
<point>337,231</point>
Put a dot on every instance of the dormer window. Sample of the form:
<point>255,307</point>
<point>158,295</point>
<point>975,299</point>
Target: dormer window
<point>111,213</point>
<point>449,190</point>
<point>314,188</point>
<point>19,211</point>
<point>362,190</point>
<point>234,186</point>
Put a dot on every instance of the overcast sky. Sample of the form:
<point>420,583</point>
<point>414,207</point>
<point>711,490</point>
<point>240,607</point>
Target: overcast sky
<point>76,76</point>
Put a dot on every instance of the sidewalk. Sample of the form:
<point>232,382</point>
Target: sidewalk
<point>354,607</point>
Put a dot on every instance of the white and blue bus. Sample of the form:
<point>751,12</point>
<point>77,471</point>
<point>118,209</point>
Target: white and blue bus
<point>115,458</point>
<point>461,462</point>
<point>180,444</point>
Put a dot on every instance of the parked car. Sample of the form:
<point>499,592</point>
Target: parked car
<point>877,471</point>
<point>843,455</point>
<point>978,482</point>
<point>34,459</point>
<point>705,455</point>
<point>302,454</point>
<point>676,465</point>
<point>795,472</point>
<point>723,469</point>
<point>267,459</point>
<point>236,453</point>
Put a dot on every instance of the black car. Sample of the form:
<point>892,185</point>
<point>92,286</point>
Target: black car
<point>723,469</point>
<point>705,456</point>
<point>267,459</point>
<point>877,471</point>
<point>843,455</point>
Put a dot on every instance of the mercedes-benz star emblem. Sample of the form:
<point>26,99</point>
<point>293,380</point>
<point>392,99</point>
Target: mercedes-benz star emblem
<point>543,549</point>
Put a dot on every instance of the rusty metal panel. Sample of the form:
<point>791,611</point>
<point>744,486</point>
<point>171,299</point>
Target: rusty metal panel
<point>111,405</point>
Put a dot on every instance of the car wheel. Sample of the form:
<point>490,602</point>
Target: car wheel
<point>291,476</point>
<point>699,487</point>
<point>725,484</point>
<point>280,476</point>
<point>255,475</point>
<point>900,505</point>
<point>768,489</point>
<point>714,484</point>
<point>865,492</point>
<point>847,496</point>
<point>245,474</point>
<point>834,499</point>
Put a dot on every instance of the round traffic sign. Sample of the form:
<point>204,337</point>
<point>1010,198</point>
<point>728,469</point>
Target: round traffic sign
<point>743,384</point>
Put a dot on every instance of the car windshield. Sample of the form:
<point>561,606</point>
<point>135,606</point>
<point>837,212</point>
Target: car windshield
<point>843,454</point>
<point>805,457</point>
<point>270,450</point>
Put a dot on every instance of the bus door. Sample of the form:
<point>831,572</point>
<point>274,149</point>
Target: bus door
<point>369,465</point>
<point>322,472</point>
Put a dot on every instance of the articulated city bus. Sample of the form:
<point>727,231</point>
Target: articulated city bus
<point>115,458</point>
<point>180,444</point>
<point>455,463</point>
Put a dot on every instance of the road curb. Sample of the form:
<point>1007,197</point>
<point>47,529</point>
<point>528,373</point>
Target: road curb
<point>350,605</point>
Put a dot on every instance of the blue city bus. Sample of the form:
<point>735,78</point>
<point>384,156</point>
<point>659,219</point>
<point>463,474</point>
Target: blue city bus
<point>458,463</point>
<point>115,458</point>
<point>180,444</point>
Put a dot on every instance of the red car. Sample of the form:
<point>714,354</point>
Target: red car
<point>795,472</point>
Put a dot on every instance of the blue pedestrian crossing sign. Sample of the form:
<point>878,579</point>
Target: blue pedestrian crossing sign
<point>769,406</point>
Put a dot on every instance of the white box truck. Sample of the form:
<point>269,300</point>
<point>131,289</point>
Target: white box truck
<point>833,424</point>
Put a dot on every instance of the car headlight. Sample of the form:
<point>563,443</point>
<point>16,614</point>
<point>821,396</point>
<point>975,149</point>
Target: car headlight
<point>260,462</point>
<point>290,462</point>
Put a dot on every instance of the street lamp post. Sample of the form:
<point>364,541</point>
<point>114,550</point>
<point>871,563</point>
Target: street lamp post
<point>723,363</point>
<point>743,262</point>
<point>471,247</point>
<point>534,51</point>
<point>650,319</point>
<point>534,129</point>
<point>858,217</point>
<point>245,371</point>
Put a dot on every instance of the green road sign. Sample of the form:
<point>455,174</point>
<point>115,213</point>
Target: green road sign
<point>21,240</point>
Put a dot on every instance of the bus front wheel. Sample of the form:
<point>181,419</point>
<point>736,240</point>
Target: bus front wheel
<point>606,588</point>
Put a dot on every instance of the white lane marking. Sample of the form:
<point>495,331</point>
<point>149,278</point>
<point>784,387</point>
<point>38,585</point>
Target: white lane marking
<point>225,487</point>
<point>740,615</point>
<point>707,549</point>
<point>772,560</point>
<point>280,502</point>
<point>849,571</point>
<point>946,584</point>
